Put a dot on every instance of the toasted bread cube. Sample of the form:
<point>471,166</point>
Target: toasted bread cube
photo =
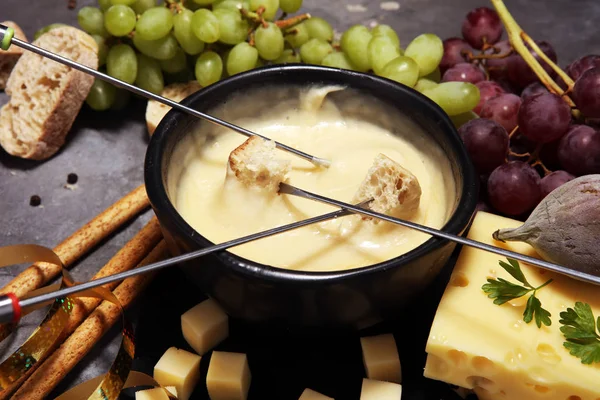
<point>309,394</point>
<point>152,394</point>
<point>228,376</point>
<point>378,390</point>
<point>395,191</point>
<point>178,368</point>
<point>255,164</point>
<point>204,326</point>
<point>380,358</point>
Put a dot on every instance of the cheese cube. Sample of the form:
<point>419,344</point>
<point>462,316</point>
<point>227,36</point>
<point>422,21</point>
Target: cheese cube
<point>379,390</point>
<point>172,390</point>
<point>178,368</point>
<point>312,395</point>
<point>228,376</point>
<point>151,394</point>
<point>204,326</point>
<point>380,358</point>
<point>476,344</point>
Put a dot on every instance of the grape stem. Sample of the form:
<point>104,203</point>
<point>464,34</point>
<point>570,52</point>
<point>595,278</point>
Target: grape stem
<point>487,56</point>
<point>290,22</point>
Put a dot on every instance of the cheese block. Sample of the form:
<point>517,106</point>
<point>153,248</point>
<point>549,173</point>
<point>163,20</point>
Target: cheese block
<point>151,394</point>
<point>478,345</point>
<point>380,358</point>
<point>204,326</point>
<point>178,368</point>
<point>309,394</point>
<point>228,376</point>
<point>172,390</point>
<point>379,390</point>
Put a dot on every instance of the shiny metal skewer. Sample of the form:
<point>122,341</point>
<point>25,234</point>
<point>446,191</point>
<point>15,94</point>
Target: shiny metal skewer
<point>4,33</point>
<point>289,189</point>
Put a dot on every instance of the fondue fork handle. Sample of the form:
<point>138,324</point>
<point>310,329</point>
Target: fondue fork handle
<point>289,189</point>
<point>7,38</point>
<point>11,306</point>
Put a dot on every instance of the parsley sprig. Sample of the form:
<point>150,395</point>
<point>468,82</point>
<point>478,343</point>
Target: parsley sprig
<point>579,328</point>
<point>503,291</point>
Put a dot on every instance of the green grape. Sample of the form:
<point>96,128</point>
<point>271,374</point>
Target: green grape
<point>102,95</point>
<point>355,43</point>
<point>290,6</point>
<point>209,68</point>
<point>402,70</point>
<point>259,63</point>
<point>175,64</point>
<point>381,51</point>
<point>121,63</point>
<point>315,50</point>
<point>387,31</point>
<point>225,58</point>
<point>161,49</point>
<point>204,2</point>
<point>454,97</point>
<point>122,98</point>
<point>102,49</point>
<point>233,28</point>
<point>234,5</point>
<point>319,28</point>
<point>461,119</point>
<point>154,24</point>
<point>104,4</point>
<point>298,35</point>
<point>427,50</point>
<point>91,20</point>
<point>289,56</point>
<point>339,59</point>
<point>271,7</point>
<point>45,29</point>
<point>124,2</point>
<point>149,75</point>
<point>424,84</point>
<point>119,20</point>
<point>140,6</point>
<point>435,76</point>
<point>182,29</point>
<point>205,25</point>
<point>269,41</point>
<point>242,57</point>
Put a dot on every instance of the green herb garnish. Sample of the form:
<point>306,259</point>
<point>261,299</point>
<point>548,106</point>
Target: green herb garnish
<point>579,328</point>
<point>502,291</point>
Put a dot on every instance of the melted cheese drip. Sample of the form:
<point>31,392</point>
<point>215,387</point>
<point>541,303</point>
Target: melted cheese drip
<point>220,208</point>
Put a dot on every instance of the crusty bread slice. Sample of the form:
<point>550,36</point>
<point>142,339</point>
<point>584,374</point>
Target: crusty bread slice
<point>46,96</point>
<point>156,111</point>
<point>8,58</point>
<point>256,165</point>
<point>395,191</point>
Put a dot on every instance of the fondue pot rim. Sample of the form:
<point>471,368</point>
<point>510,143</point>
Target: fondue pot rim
<point>157,192</point>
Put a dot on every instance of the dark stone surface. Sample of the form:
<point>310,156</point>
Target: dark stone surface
<point>106,150</point>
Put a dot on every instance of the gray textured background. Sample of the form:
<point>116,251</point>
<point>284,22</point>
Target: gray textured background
<point>107,150</point>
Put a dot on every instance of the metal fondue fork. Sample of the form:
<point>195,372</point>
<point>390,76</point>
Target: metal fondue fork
<point>7,38</point>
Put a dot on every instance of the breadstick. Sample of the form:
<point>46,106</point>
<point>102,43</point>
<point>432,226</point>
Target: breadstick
<point>72,351</point>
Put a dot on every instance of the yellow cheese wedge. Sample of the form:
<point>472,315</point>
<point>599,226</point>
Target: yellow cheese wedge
<point>380,358</point>
<point>204,326</point>
<point>379,390</point>
<point>178,368</point>
<point>476,344</point>
<point>151,394</point>
<point>309,394</point>
<point>228,376</point>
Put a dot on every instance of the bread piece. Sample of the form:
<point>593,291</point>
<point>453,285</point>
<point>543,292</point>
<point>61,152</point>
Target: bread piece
<point>45,95</point>
<point>156,111</point>
<point>8,58</point>
<point>255,164</point>
<point>395,191</point>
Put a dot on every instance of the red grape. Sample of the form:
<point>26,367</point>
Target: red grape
<point>455,52</point>
<point>586,93</point>
<point>486,142</point>
<point>503,109</point>
<point>482,25</point>
<point>549,155</point>
<point>579,150</point>
<point>463,72</point>
<point>554,180</point>
<point>579,66</point>
<point>521,74</point>
<point>544,118</point>
<point>487,90</point>
<point>514,188</point>
<point>497,67</point>
<point>533,89</point>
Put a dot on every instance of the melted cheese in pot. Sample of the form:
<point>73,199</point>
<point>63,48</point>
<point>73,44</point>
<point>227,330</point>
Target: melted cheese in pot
<point>221,208</point>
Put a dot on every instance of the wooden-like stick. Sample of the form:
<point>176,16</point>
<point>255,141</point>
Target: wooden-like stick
<point>72,351</point>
